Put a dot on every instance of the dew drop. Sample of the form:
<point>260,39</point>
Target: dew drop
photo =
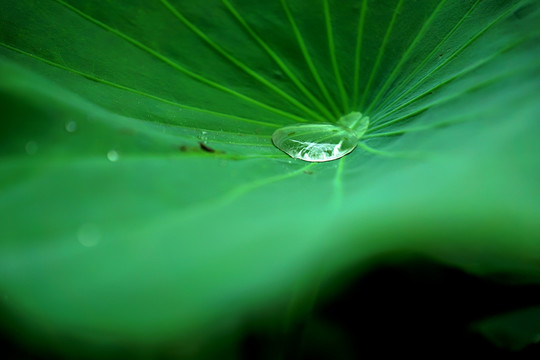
<point>113,156</point>
<point>71,126</point>
<point>31,147</point>
<point>356,122</point>
<point>324,141</point>
<point>89,235</point>
<point>202,137</point>
<point>315,142</point>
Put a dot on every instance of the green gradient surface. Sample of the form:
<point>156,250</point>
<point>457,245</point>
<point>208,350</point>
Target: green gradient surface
<point>176,239</point>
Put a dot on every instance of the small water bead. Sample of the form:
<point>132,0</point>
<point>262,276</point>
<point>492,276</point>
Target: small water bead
<point>71,126</point>
<point>324,141</point>
<point>203,136</point>
<point>113,156</point>
<point>315,142</point>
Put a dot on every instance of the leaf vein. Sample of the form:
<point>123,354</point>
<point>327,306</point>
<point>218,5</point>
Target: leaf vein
<point>277,59</point>
<point>309,60</point>
<point>381,53</point>
<point>180,68</point>
<point>238,63</point>
<point>333,57</point>
<point>125,88</point>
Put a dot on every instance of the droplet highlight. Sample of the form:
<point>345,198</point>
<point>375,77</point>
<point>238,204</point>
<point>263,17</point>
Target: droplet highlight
<point>113,156</point>
<point>315,142</point>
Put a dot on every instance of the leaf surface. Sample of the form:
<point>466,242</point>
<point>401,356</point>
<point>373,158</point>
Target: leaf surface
<point>198,217</point>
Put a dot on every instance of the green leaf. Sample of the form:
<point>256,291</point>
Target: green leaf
<point>166,210</point>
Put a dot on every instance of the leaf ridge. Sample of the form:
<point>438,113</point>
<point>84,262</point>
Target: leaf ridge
<point>381,53</point>
<point>180,68</point>
<point>307,57</point>
<point>358,51</point>
<point>122,87</point>
<point>245,188</point>
<point>333,57</point>
<point>454,95</point>
<point>405,56</point>
<point>277,59</point>
<point>456,53</point>
<point>240,64</point>
<point>429,56</point>
<point>453,121</point>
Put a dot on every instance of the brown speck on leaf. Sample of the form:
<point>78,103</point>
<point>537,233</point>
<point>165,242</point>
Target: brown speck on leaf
<point>183,148</point>
<point>307,172</point>
<point>291,133</point>
<point>206,148</point>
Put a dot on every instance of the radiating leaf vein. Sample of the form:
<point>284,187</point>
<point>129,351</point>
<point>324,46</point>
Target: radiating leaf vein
<point>406,55</point>
<point>279,61</point>
<point>381,53</point>
<point>122,87</point>
<point>333,58</point>
<point>180,68</point>
<point>456,53</point>
<point>240,64</point>
<point>309,60</point>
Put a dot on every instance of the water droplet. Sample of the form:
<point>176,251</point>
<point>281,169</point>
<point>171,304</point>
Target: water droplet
<point>113,156</point>
<point>31,147</point>
<point>203,136</point>
<point>71,126</point>
<point>324,141</point>
<point>315,142</point>
<point>89,235</point>
<point>356,122</point>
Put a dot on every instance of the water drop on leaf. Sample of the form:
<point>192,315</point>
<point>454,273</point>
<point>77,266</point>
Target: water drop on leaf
<point>356,122</point>
<point>315,142</point>
<point>71,126</point>
<point>113,156</point>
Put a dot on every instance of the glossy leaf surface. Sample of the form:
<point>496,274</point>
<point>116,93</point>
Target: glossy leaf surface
<point>167,208</point>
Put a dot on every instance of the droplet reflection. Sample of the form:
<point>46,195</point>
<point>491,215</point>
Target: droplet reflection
<point>315,142</point>
<point>323,141</point>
